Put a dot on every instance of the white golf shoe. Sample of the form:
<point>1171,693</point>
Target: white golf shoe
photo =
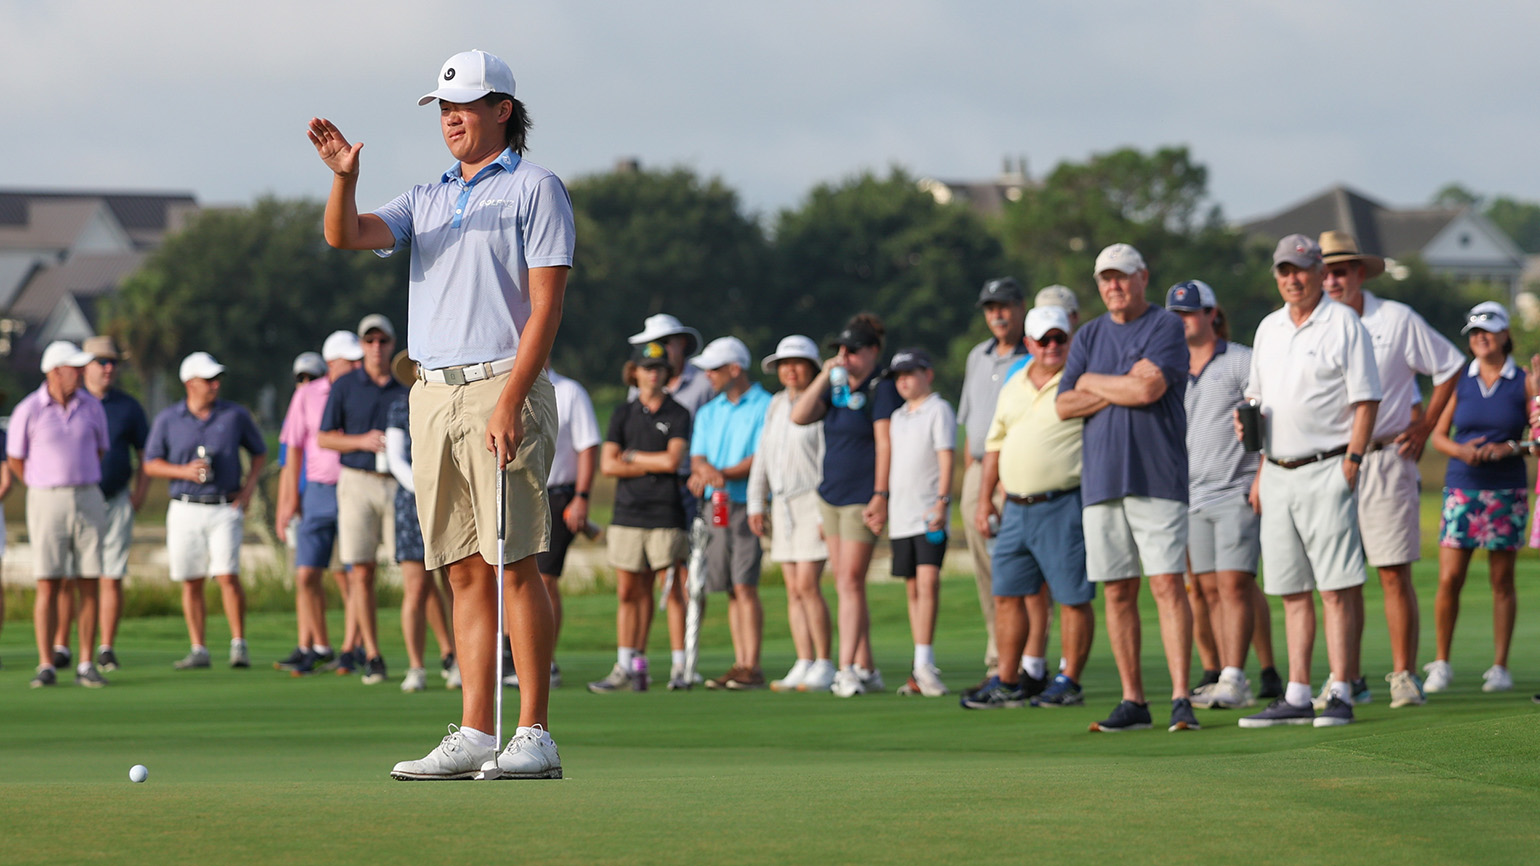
<point>793,678</point>
<point>1404,690</point>
<point>531,754</point>
<point>1439,676</point>
<point>416,680</point>
<point>819,677</point>
<point>454,758</point>
<point>924,680</point>
<point>1497,679</point>
<point>871,680</point>
<point>847,684</point>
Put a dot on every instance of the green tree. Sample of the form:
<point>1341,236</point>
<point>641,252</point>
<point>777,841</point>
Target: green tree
<point>1519,219</point>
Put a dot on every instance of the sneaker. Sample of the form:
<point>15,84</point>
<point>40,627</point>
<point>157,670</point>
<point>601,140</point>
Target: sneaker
<point>555,676</point>
<point>531,754</point>
<point>871,680</point>
<point>926,681</point>
<point>676,679</point>
<point>374,672</point>
<point>239,657</point>
<point>793,677</point>
<point>1439,676</point>
<point>1209,678</point>
<point>998,696</point>
<point>446,664</point>
<point>453,758</point>
<point>308,664</point>
<point>1062,692</point>
<point>1405,690</point>
<point>819,678</point>
<point>45,677</point>
<point>618,679</point>
<point>1126,716</point>
<point>349,661</point>
<point>198,658</point>
<point>847,684</point>
<point>721,681</point>
<point>106,659</point>
<point>1033,686</point>
<point>452,679</point>
<point>1224,695</point>
<point>1497,679</point>
<point>416,680</point>
<point>640,678</point>
<point>1337,712</point>
<point>746,680</point>
<point>290,661</point>
<point>1319,702</point>
<point>1272,684</point>
<point>1360,690</point>
<point>1280,712</point>
<point>332,660</point>
<point>91,678</point>
<point>1182,717</point>
<point>62,658</point>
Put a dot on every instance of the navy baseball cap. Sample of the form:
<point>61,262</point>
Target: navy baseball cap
<point>1190,296</point>
<point>1005,290</point>
<point>905,360</point>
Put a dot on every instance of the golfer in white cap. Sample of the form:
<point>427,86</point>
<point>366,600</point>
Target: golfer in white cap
<point>491,242</point>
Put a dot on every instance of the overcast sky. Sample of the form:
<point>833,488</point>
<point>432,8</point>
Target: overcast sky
<point>1278,99</point>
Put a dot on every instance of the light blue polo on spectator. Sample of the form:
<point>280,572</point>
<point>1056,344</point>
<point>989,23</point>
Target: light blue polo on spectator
<point>726,433</point>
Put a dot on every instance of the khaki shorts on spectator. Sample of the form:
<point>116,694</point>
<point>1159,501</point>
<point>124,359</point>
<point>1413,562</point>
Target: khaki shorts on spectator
<point>844,521</point>
<point>733,552</point>
<point>203,540</point>
<point>65,525</point>
<point>635,549</point>
<point>366,516</point>
<point>1121,535</point>
<point>795,529</point>
<point>1225,536</point>
<point>1309,529</point>
<point>1389,504</point>
<point>118,536</point>
<point>456,476</point>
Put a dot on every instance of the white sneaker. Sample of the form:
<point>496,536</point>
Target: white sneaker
<point>452,677</point>
<point>871,680</point>
<point>531,754</point>
<point>847,684</point>
<point>793,678</point>
<point>454,758</point>
<point>928,678</point>
<point>239,657</point>
<point>1404,690</point>
<point>1224,695</point>
<point>416,680</point>
<point>1439,676</point>
<point>1497,679</point>
<point>819,677</point>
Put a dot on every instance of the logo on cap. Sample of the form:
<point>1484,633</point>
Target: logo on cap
<point>653,350</point>
<point>449,73</point>
<point>1299,248</point>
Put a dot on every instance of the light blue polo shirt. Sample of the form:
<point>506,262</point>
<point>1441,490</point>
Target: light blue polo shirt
<point>473,244</point>
<point>727,432</point>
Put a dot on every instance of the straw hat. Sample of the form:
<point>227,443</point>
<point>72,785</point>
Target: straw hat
<point>1343,247</point>
<point>404,369</point>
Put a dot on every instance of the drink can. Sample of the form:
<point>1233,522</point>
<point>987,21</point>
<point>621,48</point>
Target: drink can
<point>1250,413</point>
<point>719,508</point>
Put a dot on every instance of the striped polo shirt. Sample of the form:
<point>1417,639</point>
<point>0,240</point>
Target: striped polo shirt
<point>1217,466</point>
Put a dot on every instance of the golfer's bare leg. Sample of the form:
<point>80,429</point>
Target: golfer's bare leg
<point>1175,629</point>
<point>414,604</point>
<point>1077,625</point>
<point>1039,615</point>
<point>111,609</point>
<point>1299,628</point>
<point>1402,616</point>
<point>1124,632</point>
<point>64,614</point>
<point>552,589</point>
<point>1207,619</point>
<point>676,607</point>
<point>1011,630</point>
<point>45,609</point>
<point>193,610</point>
<point>89,612</point>
<point>233,596</point>
<point>361,594</point>
<point>1505,603</point>
<point>1235,590</point>
<point>1336,607</point>
<point>1262,627</point>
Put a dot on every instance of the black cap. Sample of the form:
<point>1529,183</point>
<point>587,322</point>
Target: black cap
<point>650,355</point>
<point>1004,290</point>
<point>905,360</point>
<point>857,335</point>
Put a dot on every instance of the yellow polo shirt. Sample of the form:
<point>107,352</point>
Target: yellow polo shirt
<point>1038,452</point>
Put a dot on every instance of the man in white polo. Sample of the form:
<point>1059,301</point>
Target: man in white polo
<point>1389,493</point>
<point>1313,371</point>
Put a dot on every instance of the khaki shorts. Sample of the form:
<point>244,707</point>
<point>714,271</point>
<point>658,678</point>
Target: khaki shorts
<point>65,526</point>
<point>1123,534</point>
<point>795,529</point>
<point>366,516</point>
<point>733,552</point>
<point>1389,499</point>
<point>635,549</point>
<point>844,521</point>
<point>1310,535</point>
<point>118,536</point>
<point>456,476</point>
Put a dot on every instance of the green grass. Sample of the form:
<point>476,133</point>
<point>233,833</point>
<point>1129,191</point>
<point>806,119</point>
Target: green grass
<point>255,767</point>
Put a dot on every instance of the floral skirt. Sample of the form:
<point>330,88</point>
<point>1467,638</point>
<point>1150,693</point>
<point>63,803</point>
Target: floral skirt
<point>1484,519</point>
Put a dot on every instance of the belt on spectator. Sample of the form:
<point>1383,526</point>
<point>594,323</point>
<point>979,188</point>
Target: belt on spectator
<point>1306,461</point>
<point>1377,444</point>
<point>562,490</point>
<point>1036,498</point>
<point>205,500</point>
<point>465,373</point>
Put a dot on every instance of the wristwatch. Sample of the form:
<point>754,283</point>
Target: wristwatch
<point>882,493</point>
<point>628,457</point>
<point>582,494</point>
<point>1356,458</point>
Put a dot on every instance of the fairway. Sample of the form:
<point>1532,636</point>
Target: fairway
<point>256,767</point>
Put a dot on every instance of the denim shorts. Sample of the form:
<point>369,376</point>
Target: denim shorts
<point>1039,543</point>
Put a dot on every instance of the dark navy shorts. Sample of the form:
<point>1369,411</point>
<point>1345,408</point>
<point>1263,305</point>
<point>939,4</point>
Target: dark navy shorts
<point>914,551</point>
<point>408,528</point>
<point>554,559</point>
<point>1042,542</point>
<point>317,526</point>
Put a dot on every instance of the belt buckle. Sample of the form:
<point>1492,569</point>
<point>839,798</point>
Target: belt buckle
<point>455,376</point>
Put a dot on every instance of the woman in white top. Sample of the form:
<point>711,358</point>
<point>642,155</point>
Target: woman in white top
<point>786,471</point>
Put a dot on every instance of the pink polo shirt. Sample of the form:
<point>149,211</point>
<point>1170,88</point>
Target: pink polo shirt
<point>62,445</point>
<point>300,426</point>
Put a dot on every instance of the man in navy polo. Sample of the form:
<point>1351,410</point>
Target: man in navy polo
<point>354,423</point>
<point>196,444</point>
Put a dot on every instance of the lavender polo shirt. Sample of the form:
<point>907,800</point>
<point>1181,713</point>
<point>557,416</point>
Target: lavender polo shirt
<point>473,244</point>
<point>177,433</point>
<point>62,445</point>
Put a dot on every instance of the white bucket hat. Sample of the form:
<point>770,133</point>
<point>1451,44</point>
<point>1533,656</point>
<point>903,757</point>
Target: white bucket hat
<point>662,326</point>
<point>791,348</point>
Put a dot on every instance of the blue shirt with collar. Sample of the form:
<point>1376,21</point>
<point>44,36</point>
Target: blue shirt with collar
<point>726,433</point>
<point>472,245</point>
<point>358,404</point>
<point>177,433</point>
<point>127,429</point>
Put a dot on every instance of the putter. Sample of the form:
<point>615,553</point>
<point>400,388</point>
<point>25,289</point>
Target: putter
<point>490,770</point>
<point>695,592</point>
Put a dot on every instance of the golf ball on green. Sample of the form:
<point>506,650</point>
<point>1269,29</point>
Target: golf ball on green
<point>138,773</point>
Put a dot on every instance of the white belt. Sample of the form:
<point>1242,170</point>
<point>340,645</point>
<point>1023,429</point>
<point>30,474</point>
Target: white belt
<point>465,374</point>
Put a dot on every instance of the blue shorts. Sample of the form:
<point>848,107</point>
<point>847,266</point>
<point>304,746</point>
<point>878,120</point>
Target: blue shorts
<point>408,529</point>
<point>318,526</point>
<point>1039,542</point>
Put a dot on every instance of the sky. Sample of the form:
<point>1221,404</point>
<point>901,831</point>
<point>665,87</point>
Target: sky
<point>1279,100</point>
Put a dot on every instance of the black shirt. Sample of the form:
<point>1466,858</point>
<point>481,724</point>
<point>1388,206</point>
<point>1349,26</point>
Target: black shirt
<point>649,501</point>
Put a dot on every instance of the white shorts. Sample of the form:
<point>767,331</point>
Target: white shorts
<point>118,537</point>
<point>1389,502</point>
<point>1123,534</point>
<point>1309,529</point>
<point>794,529</point>
<point>203,540</point>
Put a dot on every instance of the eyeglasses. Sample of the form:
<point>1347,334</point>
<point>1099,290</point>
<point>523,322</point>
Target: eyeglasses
<point>1340,272</point>
<point>107,362</point>
<point>1054,338</point>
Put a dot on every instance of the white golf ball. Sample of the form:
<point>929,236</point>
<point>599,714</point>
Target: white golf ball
<point>138,773</point>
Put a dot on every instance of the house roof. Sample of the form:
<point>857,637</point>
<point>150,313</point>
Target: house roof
<point>46,225</point>
<point>1379,229</point>
<point>85,276</point>
<point>145,216</point>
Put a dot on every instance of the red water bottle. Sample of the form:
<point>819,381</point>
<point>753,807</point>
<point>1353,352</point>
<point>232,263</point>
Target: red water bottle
<point>719,508</point>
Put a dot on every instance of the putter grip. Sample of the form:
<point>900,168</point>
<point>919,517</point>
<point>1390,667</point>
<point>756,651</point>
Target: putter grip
<point>502,499</point>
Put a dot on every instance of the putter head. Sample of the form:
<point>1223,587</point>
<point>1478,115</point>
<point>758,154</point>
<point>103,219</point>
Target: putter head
<point>489,771</point>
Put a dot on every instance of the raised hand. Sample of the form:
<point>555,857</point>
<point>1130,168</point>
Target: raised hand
<point>333,147</point>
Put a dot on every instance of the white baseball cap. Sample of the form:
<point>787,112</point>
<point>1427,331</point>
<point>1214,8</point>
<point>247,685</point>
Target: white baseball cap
<point>309,364</point>
<point>342,345</point>
<point>63,353</point>
<point>1119,257</point>
<point>722,351</point>
<point>470,75</point>
<point>376,322</point>
<point>795,346</point>
<point>1041,320</point>
<point>1489,316</point>
<point>200,365</point>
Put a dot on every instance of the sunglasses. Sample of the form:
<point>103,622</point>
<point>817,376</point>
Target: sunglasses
<point>1055,338</point>
<point>302,378</point>
<point>1339,273</point>
<point>107,362</point>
